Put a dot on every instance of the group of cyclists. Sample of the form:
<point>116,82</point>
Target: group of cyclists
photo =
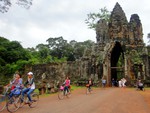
<point>17,86</point>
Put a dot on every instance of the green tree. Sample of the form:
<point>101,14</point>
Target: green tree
<point>93,18</point>
<point>44,52</point>
<point>68,52</point>
<point>34,57</point>
<point>57,46</point>
<point>11,52</point>
<point>14,52</point>
<point>80,47</point>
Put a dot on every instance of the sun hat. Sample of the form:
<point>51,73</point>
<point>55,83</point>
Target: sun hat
<point>30,73</point>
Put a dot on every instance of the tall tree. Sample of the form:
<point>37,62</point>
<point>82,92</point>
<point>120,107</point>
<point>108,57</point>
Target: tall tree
<point>13,57</point>
<point>93,18</point>
<point>43,51</point>
<point>80,47</point>
<point>57,46</point>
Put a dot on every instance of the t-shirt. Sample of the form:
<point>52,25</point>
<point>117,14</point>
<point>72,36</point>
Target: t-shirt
<point>17,82</point>
<point>103,81</point>
<point>31,83</point>
<point>140,84</point>
<point>67,82</point>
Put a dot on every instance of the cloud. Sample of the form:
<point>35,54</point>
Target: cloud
<point>54,18</point>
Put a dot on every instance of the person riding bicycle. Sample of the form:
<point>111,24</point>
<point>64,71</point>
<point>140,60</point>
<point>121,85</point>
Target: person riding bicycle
<point>67,84</point>
<point>90,83</point>
<point>30,87</point>
<point>140,85</point>
<point>16,85</point>
<point>17,80</point>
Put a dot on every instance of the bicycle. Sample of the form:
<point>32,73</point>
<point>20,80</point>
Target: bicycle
<point>62,93</point>
<point>25,100</point>
<point>88,89</point>
<point>13,103</point>
<point>4,98</point>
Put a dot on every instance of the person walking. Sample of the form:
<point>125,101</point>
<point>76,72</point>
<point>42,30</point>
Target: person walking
<point>103,82</point>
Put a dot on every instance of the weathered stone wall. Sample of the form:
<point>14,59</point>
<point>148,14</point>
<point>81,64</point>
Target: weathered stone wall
<point>55,73</point>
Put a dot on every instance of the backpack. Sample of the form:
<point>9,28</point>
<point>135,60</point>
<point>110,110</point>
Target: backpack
<point>17,91</point>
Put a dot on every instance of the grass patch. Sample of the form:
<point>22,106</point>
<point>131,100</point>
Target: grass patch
<point>147,88</point>
<point>74,87</point>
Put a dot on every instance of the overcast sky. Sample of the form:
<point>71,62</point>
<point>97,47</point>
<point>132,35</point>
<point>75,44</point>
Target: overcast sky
<point>66,18</point>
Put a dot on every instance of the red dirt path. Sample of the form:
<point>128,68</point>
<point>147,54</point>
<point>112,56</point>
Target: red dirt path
<point>109,100</point>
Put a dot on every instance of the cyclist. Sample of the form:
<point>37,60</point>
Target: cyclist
<point>90,83</point>
<point>67,84</point>
<point>30,87</point>
<point>17,85</point>
<point>16,81</point>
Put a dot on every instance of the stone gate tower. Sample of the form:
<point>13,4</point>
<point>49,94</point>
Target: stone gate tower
<point>119,48</point>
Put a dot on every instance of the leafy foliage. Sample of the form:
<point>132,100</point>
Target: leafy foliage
<point>6,4</point>
<point>14,58</point>
<point>148,36</point>
<point>93,18</point>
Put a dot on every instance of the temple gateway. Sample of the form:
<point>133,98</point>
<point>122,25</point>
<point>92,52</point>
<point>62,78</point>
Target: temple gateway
<point>119,51</point>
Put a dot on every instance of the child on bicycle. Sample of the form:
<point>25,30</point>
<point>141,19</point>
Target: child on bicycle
<point>16,85</point>
<point>30,87</point>
<point>17,80</point>
<point>90,83</point>
<point>67,84</point>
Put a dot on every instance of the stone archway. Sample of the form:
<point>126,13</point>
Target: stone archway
<point>114,62</point>
<point>117,62</point>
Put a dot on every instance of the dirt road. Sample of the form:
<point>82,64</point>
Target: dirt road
<point>109,100</point>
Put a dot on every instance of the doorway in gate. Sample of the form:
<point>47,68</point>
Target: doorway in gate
<point>117,62</point>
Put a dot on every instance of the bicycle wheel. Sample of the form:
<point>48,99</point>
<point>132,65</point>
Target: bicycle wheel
<point>13,104</point>
<point>61,94</point>
<point>87,90</point>
<point>35,100</point>
<point>3,101</point>
<point>22,101</point>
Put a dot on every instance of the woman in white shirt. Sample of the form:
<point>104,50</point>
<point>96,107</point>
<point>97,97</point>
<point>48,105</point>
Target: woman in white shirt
<point>30,86</point>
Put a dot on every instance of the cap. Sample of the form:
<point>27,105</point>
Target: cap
<point>30,73</point>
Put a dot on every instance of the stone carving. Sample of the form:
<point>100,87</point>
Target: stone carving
<point>43,76</point>
<point>135,30</point>
<point>128,34</point>
<point>118,23</point>
<point>101,31</point>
